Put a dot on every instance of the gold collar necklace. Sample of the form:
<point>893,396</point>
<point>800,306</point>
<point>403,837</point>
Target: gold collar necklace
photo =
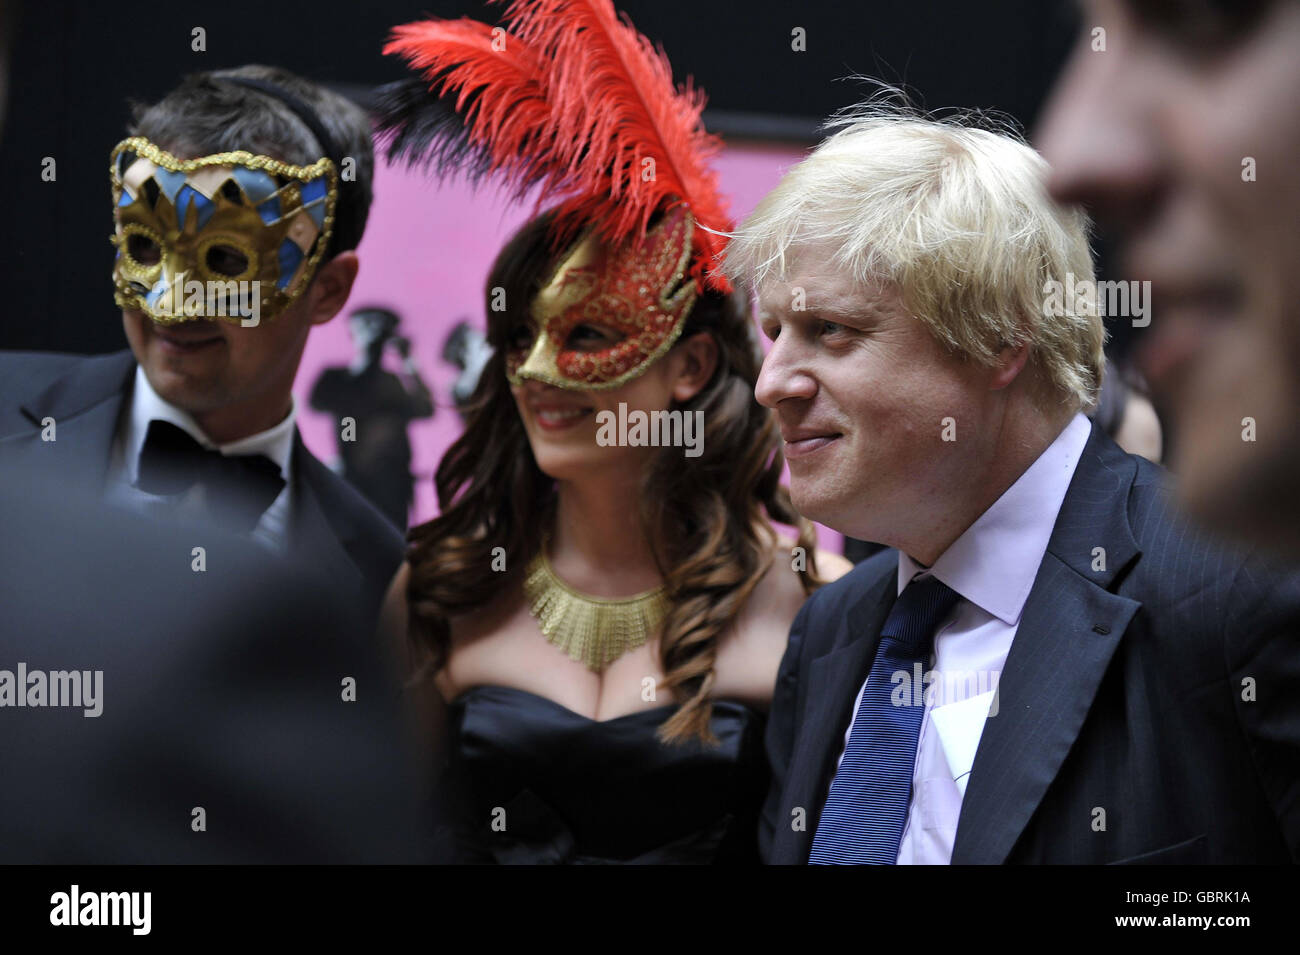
<point>595,630</point>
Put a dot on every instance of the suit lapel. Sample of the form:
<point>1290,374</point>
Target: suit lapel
<point>84,404</point>
<point>833,682</point>
<point>1068,631</point>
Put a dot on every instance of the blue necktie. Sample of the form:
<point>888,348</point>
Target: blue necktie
<point>862,822</point>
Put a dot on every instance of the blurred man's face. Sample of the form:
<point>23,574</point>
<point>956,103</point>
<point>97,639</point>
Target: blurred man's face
<point>861,392</point>
<point>1183,136</point>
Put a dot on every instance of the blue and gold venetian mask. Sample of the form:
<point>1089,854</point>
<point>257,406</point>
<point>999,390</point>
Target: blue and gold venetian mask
<point>232,217</point>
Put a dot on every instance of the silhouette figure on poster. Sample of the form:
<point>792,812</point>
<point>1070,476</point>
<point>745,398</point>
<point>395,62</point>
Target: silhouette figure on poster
<point>372,408</point>
<point>468,350</point>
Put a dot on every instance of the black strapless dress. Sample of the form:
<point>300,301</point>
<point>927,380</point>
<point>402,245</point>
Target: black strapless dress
<point>530,781</point>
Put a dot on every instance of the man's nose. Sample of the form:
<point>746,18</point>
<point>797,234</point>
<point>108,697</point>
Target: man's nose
<point>1098,134</point>
<point>169,284</point>
<point>784,375</point>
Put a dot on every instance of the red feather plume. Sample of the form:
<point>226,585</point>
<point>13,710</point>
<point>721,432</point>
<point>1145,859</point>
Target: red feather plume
<point>614,104</point>
<point>579,102</point>
<point>510,117</point>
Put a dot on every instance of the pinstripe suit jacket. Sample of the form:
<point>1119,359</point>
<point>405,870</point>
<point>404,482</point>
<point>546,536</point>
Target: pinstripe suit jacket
<point>1149,712</point>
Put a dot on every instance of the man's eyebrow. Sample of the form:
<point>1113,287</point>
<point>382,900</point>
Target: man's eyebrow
<point>855,311</point>
<point>851,313</point>
<point>838,310</point>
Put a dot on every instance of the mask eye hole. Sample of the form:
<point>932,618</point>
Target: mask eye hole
<point>140,253</point>
<point>589,337</point>
<point>143,249</point>
<point>221,259</point>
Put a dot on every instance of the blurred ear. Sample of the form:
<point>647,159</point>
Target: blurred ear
<point>696,358</point>
<point>332,286</point>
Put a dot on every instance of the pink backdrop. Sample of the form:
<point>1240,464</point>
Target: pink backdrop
<point>425,255</point>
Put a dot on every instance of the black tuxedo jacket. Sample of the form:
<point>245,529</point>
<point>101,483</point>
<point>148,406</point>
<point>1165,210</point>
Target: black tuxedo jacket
<point>333,527</point>
<point>1149,709</point>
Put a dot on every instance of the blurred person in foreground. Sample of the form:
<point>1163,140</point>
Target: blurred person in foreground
<point>172,692</point>
<point>1176,125</point>
<point>1051,667</point>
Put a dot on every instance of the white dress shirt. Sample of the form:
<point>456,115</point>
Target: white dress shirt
<point>275,443</point>
<point>992,567</point>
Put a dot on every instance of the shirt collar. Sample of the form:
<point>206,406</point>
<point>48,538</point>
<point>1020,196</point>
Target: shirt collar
<point>994,563</point>
<point>146,405</point>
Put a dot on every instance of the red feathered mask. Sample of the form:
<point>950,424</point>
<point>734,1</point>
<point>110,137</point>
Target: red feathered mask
<point>568,96</point>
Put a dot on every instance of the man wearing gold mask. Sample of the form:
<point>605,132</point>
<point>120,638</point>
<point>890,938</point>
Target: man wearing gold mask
<point>235,230</point>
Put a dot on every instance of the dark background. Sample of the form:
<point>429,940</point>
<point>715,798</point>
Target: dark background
<point>75,66</point>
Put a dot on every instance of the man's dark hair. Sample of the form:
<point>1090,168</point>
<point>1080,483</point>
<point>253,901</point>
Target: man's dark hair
<point>204,115</point>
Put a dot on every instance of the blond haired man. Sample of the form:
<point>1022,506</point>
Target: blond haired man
<point>1050,668</point>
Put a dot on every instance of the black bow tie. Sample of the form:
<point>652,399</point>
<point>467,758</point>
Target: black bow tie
<point>238,488</point>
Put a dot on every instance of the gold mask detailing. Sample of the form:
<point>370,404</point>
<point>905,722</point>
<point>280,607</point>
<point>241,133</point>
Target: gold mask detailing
<point>594,630</point>
<point>198,238</point>
<point>632,294</point>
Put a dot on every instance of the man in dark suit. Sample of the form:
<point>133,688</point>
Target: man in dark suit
<point>1050,666</point>
<point>226,260</point>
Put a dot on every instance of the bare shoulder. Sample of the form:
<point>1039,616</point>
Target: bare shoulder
<point>1139,431</point>
<point>782,582</point>
<point>750,654</point>
<point>775,599</point>
<point>832,566</point>
<point>781,591</point>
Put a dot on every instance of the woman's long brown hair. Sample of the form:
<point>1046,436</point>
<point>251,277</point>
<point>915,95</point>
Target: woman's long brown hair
<point>709,523</point>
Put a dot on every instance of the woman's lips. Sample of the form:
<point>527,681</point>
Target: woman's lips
<point>559,418</point>
<point>802,447</point>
